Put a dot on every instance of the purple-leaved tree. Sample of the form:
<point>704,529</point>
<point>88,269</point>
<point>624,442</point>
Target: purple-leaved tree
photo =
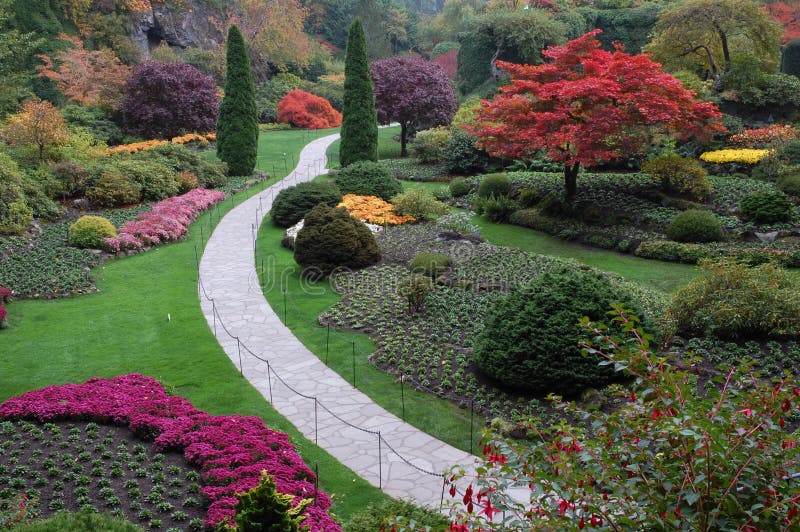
<point>165,99</point>
<point>414,92</point>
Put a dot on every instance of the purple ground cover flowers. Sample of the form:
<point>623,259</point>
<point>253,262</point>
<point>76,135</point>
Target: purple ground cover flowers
<point>167,221</point>
<point>231,451</point>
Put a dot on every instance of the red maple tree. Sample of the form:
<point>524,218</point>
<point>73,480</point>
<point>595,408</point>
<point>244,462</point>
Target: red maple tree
<point>303,109</point>
<point>588,106</point>
<point>788,14</point>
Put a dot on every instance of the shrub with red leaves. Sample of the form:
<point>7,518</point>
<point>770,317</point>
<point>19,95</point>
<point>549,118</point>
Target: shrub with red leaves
<point>306,110</point>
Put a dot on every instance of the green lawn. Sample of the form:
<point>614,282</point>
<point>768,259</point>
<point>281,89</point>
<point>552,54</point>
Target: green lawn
<point>388,147</point>
<point>124,328</point>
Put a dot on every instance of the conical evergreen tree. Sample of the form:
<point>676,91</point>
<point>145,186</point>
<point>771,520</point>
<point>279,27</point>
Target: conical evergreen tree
<point>237,125</point>
<point>359,119</point>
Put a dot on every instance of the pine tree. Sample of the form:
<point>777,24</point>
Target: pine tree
<point>237,126</point>
<point>360,121</point>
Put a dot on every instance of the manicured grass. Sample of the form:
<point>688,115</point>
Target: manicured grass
<point>388,147</point>
<point>306,301</point>
<point>124,328</point>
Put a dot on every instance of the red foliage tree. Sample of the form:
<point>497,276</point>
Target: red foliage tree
<point>413,91</point>
<point>164,100</point>
<point>303,109</point>
<point>788,14</point>
<point>449,63</point>
<point>587,106</point>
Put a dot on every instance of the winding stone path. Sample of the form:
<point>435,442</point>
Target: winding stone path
<point>331,407</point>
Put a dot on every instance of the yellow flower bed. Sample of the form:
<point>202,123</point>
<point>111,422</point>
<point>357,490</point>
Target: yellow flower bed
<point>742,155</point>
<point>373,209</point>
<point>135,147</point>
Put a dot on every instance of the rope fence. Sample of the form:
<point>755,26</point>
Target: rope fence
<point>243,350</point>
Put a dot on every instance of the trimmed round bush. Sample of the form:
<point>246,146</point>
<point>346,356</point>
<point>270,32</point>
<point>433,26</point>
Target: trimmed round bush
<point>731,300</point>
<point>331,239</point>
<point>679,174</point>
<point>89,232</point>
<point>367,178</point>
<point>113,189</point>
<point>695,225</point>
<point>459,187</point>
<point>530,338</point>
<point>766,207</point>
<point>494,185</point>
<point>429,144</point>
<point>790,185</point>
<point>419,204</point>
<point>462,156</point>
<point>292,204</point>
<point>431,264</point>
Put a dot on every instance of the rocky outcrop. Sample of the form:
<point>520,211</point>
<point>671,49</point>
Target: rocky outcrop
<point>194,25</point>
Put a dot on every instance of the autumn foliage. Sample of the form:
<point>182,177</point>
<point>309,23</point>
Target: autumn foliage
<point>306,110</point>
<point>135,147</point>
<point>788,14</point>
<point>587,106</point>
<point>88,77</point>
<point>449,63</point>
<point>40,124</point>
<point>373,209</point>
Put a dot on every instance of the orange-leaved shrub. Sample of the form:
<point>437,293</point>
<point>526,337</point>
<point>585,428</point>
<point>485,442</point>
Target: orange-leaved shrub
<point>303,109</point>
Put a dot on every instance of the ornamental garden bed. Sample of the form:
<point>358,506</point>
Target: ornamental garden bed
<point>77,430</point>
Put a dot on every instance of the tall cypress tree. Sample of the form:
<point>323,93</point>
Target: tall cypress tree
<point>359,121</point>
<point>237,125</point>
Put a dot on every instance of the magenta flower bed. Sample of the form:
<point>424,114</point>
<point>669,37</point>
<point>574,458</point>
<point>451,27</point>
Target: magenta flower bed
<point>231,451</point>
<point>167,221</point>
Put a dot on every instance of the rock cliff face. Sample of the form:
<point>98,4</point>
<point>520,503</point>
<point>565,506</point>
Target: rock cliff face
<point>195,25</point>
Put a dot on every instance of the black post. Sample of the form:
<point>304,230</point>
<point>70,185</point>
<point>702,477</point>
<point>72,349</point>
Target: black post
<point>269,383</point>
<point>201,235</point>
<point>197,260</point>
<point>380,463</point>
<point>284,308</point>
<point>316,422</point>
<point>403,394</point>
<point>444,484</point>
<point>239,348</point>
<point>354,364</point>
<point>471,423</point>
<point>214,313</point>
<point>327,344</point>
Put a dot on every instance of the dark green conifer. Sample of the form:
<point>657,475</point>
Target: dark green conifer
<point>237,125</point>
<point>359,121</point>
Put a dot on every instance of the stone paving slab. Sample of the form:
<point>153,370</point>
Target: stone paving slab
<point>345,421</point>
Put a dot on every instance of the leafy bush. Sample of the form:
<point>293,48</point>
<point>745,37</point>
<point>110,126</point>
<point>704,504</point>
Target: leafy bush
<point>418,203</point>
<point>766,207</point>
<point>265,508</point>
<point>695,226</point>
<point>377,517</point>
<point>306,110</point>
<point>15,214</point>
<point>368,178</point>
<point>530,338</point>
<point>72,177</point>
<point>458,222</point>
<point>494,185</point>
<point>462,156</point>
<point>791,152</point>
<point>79,522</point>
<point>431,264</point>
<point>496,209</point>
<point>113,189</point>
<point>790,185</point>
<point>186,181</point>
<point>330,239</point>
<point>428,145</point>
<point>154,179</point>
<point>732,300</point>
<point>89,232</point>
<point>679,174</point>
<point>413,290</point>
<point>164,100</point>
<point>292,204</point>
<point>459,187</point>
<point>211,173</point>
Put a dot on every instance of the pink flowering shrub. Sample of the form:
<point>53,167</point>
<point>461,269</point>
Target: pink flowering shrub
<point>167,221</point>
<point>231,451</point>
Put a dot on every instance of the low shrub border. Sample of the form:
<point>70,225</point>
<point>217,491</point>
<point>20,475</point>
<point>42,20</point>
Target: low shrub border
<point>231,451</point>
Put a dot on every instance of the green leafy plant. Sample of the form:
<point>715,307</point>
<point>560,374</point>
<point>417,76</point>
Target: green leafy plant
<point>695,225</point>
<point>766,207</point>
<point>494,185</point>
<point>89,231</point>
<point>679,174</point>
<point>459,187</point>
<point>264,508</point>
<point>431,264</point>
<point>367,178</point>
<point>418,203</point>
<point>413,290</point>
<point>428,145</point>
<point>291,204</point>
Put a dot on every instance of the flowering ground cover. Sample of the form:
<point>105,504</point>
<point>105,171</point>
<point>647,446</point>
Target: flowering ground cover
<point>372,209</point>
<point>229,451</point>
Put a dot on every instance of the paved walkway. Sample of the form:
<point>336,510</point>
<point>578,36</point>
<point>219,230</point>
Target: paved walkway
<point>331,407</point>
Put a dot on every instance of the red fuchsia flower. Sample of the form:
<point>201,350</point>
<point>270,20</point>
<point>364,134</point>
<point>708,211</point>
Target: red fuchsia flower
<point>231,451</point>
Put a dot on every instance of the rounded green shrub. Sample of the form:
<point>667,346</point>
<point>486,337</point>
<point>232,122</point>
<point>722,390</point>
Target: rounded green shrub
<point>790,185</point>
<point>494,185</point>
<point>331,239</point>
<point>368,178</point>
<point>113,189</point>
<point>530,338</point>
<point>291,204</point>
<point>462,156</point>
<point>15,213</point>
<point>497,209</point>
<point>154,179</point>
<point>459,187</point>
<point>731,300</point>
<point>695,225</point>
<point>428,145</point>
<point>766,207</point>
<point>89,231</point>
<point>211,173</point>
<point>418,203</point>
<point>790,152</point>
<point>679,174</point>
<point>431,264</point>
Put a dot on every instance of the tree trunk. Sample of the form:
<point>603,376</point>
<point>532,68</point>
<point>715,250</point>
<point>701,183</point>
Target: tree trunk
<point>570,181</point>
<point>403,141</point>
